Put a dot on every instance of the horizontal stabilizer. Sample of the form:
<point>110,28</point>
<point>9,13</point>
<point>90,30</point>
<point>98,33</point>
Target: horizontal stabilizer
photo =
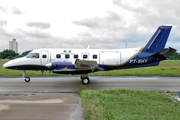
<point>166,52</point>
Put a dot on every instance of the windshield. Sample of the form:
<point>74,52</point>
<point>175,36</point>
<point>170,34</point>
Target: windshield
<point>35,55</point>
<point>29,55</point>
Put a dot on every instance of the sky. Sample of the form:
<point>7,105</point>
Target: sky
<point>102,24</point>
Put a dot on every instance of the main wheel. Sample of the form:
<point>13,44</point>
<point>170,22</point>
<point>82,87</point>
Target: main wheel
<point>27,79</point>
<point>85,81</point>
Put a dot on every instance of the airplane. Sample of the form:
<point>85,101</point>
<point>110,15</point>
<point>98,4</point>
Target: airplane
<point>84,61</point>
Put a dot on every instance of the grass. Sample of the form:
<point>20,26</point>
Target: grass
<point>166,68</point>
<point>128,104</point>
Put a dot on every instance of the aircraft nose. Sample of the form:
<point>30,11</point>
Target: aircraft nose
<point>5,65</point>
<point>13,63</point>
<point>8,64</point>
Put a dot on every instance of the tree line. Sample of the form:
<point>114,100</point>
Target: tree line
<point>174,56</point>
<point>10,54</point>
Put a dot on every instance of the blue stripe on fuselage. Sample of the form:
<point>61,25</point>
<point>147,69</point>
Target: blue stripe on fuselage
<point>28,67</point>
<point>140,60</point>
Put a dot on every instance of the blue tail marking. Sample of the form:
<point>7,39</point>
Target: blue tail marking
<point>158,40</point>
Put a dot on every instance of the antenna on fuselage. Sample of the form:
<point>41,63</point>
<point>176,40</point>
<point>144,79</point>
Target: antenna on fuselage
<point>87,47</point>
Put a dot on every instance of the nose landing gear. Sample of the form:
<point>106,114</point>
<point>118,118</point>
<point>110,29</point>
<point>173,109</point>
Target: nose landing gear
<point>26,78</point>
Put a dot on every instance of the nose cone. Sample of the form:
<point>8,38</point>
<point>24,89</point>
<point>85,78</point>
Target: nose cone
<point>12,64</point>
<point>5,65</point>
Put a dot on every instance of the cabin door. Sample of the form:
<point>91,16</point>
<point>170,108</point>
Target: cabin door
<point>110,57</point>
<point>44,57</point>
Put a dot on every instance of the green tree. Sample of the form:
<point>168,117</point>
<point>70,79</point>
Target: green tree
<point>4,54</point>
<point>10,57</point>
<point>175,56</point>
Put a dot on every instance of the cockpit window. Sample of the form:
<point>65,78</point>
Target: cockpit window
<point>35,55</point>
<point>29,55</point>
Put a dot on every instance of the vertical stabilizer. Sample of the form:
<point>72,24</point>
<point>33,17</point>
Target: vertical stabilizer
<point>158,40</point>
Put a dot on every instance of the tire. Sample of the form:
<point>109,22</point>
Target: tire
<point>85,81</point>
<point>27,79</point>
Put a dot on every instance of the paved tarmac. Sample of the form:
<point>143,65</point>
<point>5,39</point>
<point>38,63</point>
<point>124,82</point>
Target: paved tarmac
<point>57,98</point>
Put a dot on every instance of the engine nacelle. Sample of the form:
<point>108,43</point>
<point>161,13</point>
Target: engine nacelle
<point>59,67</point>
<point>61,64</point>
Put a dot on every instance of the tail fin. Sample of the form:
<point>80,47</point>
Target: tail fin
<point>158,40</point>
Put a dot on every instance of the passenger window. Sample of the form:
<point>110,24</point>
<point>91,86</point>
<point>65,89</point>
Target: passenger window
<point>35,55</point>
<point>94,56</point>
<point>67,56</point>
<point>44,56</point>
<point>75,56</point>
<point>85,56</point>
<point>58,56</point>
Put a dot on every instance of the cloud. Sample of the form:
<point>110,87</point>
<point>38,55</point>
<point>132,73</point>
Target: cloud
<point>2,9</point>
<point>108,25</point>
<point>97,22</point>
<point>113,27</point>
<point>38,25</point>
<point>134,23</point>
<point>16,11</point>
<point>12,10</point>
<point>4,34</point>
<point>5,37</point>
<point>3,23</point>
<point>151,13</point>
<point>104,27</point>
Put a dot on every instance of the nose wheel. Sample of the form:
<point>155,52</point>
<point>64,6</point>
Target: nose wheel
<point>26,78</point>
<point>85,79</point>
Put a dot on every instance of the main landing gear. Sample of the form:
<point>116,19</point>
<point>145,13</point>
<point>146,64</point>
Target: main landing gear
<point>85,79</point>
<point>26,78</point>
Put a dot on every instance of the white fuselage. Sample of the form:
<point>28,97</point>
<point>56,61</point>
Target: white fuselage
<point>102,56</point>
